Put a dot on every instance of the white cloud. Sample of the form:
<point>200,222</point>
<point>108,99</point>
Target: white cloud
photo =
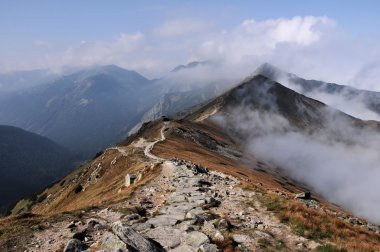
<point>338,161</point>
<point>180,27</point>
<point>253,39</point>
<point>311,47</point>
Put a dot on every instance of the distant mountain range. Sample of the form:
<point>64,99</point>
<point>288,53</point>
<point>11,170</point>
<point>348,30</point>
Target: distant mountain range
<point>28,163</point>
<point>259,157</point>
<point>88,110</point>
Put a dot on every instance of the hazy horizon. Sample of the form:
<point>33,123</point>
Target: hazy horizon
<point>319,40</point>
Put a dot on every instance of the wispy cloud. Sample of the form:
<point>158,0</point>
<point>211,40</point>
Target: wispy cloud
<point>339,161</point>
<point>181,27</point>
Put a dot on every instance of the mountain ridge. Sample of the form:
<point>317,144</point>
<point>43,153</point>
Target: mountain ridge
<point>176,179</point>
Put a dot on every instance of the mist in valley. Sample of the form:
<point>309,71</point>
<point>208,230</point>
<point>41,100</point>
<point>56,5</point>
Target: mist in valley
<point>339,161</point>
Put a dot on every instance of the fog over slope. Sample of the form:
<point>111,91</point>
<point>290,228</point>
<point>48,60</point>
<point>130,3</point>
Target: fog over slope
<point>362,104</point>
<point>339,158</point>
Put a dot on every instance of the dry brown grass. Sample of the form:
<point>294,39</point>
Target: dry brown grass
<point>319,225</point>
<point>109,187</point>
<point>14,230</point>
<point>175,146</point>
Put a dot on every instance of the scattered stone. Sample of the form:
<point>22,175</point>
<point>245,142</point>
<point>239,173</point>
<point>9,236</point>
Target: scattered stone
<point>196,239</point>
<point>238,238</point>
<point>203,182</point>
<point>111,242</point>
<point>168,237</point>
<point>223,224</point>
<point>80,235</point>
<point>134,240</point>
<point>141,227</point>
<point>92,223</point>
<point>263,235</point>
<point>208,248</point>
<point>201,169</point>
<point>74,245</point>
<point>163,220</point>
<point>184,248</point>
<point>304,195</point>
<point>355,221</point>
<point>218,236</point>
<point>129,179</point>
<point>133,216</point>
<point>146,204</point>
<point>211,203</point>
<point>72,225</point>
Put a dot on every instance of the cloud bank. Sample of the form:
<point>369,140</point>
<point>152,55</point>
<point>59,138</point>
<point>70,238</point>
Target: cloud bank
<point>339,161</point>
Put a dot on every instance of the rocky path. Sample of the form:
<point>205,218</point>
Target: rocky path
<point>185,208</point>
<point>199,210</point>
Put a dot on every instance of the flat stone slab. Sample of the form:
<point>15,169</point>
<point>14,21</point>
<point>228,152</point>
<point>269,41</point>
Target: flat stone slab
<point>168,237</point>
<point>177,199</point>
<point>184,248</point>
<point>163,220</point>
<point>141,227</point>
<point>238,238</point>
<point>193,212</point>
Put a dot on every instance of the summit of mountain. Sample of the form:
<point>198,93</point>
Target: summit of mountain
<point>343,97</point>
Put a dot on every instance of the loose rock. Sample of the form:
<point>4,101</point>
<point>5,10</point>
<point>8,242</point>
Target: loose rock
<point>134,240</point>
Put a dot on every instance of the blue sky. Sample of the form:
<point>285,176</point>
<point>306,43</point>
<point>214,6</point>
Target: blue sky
<point>154,36</point>
<point>93,19</point>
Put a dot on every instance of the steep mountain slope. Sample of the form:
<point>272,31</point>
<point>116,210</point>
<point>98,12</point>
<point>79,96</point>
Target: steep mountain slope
<point>191,184</point>
<point>74,109</point>
<point>185,87</point>
<point>28,163</point>
<point>309,138</point>
<point>359,103</point>
<point>268,96</point>
<point>91,109</point>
